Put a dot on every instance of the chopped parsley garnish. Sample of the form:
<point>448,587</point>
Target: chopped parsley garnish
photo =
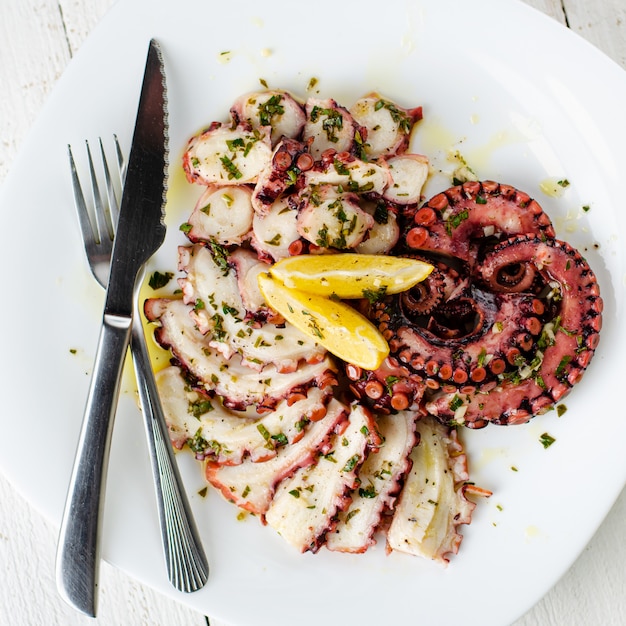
<point>546,440</point>
<point>229,310</point>
<point>375,296</point>
<point>264,432</point>
<point>159,280</point>
<point>220,256</point>
<point>399,117</point>
<point>200,407</point>
<point>351,463</point>
<point>270,109</point>
<point>352,514</point>
<point>231,169</point>
<point>367,492</point>
<point>280,439</point>
<point>198,443</point>
<point>235,144</point>
<point>560,370</point>
<point>340,168</point>
<point>381,213</point>
<point>333,123</point>
<point>322,237</point>
<point>456,403</point>
<point>313,324</point>
<point>454,221</point>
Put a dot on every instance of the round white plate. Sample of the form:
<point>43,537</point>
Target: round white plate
<point>521,98</point>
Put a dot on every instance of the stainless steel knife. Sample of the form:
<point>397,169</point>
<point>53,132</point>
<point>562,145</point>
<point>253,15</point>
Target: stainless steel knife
<point>140,232</point>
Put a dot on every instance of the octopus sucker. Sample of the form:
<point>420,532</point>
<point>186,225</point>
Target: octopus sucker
<point>389,389</point>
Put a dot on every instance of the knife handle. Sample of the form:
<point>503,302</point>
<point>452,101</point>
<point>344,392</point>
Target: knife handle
<point>78,555</point>
<point>187,565</point>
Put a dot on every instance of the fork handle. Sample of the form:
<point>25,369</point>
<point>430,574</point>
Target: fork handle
<point>186,562</point>
<point>78,555</point>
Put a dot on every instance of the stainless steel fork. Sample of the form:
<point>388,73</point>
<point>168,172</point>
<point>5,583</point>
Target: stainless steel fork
<point>187,566</point>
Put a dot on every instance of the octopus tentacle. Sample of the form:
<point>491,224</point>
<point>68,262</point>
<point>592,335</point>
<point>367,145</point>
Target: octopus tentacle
<point>561,347</point>
<point>450,221</point>
<point>503,328</point>
<point>576,329</point>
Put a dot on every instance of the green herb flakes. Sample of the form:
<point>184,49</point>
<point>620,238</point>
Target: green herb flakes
<point>546,440</point>
<point>158,280</point>
<point>351,463</point>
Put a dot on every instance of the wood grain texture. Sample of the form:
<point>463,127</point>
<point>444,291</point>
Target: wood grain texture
<point>37,40</point>
<point>603,24</point>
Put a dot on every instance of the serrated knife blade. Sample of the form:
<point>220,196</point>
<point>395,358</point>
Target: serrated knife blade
<point>140,232</point>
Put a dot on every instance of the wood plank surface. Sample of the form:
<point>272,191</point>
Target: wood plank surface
<point>37,40</point>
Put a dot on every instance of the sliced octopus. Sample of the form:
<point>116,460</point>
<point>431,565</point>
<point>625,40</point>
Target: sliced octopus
<point>223,214</point>
<point>237,384</point>
<point>228,437</point>
<point>380,480</point>
<point>433,502</point>
<point>224,155</point>
<point>305,505</point>
<point>252,486</point>
<point>219,313</point>
<point>277,110</point>
<point>328,126</point>
<point>386,125</point>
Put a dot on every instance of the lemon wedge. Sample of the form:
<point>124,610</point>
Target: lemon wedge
<point>350,275</point>
<point>335,325</point>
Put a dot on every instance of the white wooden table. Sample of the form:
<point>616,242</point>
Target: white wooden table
<point>37,40</point>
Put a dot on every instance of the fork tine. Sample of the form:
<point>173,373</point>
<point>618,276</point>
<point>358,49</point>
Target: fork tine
<point>103,219</point>
<point>114,208</point>
<point>86,226</point>
<point>121,163</point>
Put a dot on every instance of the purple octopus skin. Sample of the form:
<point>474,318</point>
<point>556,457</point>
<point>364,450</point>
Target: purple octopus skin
<point>452,222</point>
<point>289,160</point>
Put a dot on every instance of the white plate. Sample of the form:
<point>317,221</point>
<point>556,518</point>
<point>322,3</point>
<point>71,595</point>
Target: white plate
<point>491,85</point>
